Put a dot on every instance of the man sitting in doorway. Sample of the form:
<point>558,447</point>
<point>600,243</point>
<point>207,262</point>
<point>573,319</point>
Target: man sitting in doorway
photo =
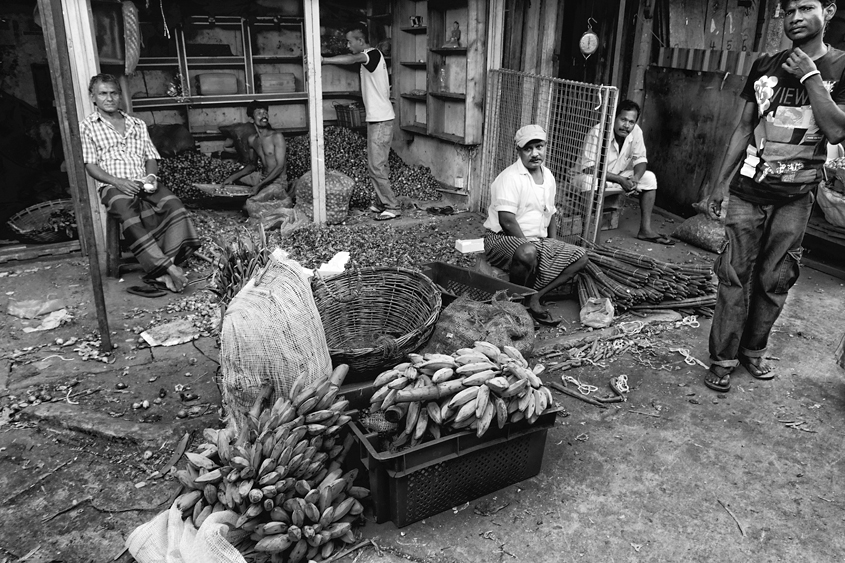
<point>268,149</point>
<point>522,225</point>
<point>626,163</point>
<point>119,154</point>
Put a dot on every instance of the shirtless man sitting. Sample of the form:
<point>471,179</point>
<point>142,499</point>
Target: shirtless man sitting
<point>269,148</point>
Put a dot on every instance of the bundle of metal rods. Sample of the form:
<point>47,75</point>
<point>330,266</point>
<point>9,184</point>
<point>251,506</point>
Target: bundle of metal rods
<point>638,282</point>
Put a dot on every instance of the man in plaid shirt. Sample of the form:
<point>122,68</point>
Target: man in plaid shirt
<point>119,154</point>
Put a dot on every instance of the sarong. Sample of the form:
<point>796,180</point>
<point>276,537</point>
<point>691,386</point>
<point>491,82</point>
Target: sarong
<point>554,255</point>
<point>155,226</point>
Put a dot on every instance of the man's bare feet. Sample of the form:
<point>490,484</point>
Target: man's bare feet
<point>177,277</point>
<point>758,368</point>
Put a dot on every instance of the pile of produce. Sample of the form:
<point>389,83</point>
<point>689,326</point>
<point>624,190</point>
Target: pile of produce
<point>346,151</point>
<point>180,172</point>
<point>636,281</point>
<point>472,388</point>
<point>282,475</point>
<point>405,246</point>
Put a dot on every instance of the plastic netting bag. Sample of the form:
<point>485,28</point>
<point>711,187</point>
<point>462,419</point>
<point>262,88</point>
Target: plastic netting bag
<point>169,539</point>
<point>338,193</point>
<point>271,333</point>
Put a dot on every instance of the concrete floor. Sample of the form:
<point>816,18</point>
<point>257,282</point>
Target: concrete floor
<point>677,473</point>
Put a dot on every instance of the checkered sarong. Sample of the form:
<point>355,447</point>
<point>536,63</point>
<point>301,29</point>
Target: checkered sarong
<point>554,255</point>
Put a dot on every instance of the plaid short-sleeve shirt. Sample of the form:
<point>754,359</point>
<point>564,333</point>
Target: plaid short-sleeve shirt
<point>124,155</point>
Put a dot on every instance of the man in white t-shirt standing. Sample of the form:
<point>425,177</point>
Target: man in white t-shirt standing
<point>375,89</point>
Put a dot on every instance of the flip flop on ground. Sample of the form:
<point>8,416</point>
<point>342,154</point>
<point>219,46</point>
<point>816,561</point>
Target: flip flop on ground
<point>757,369</point>
<point>376,208</point>
<point>146,291</point>
<point>659,239</point>
<point>387,215</point>
<point>718,378</point>
<point>543,317</point>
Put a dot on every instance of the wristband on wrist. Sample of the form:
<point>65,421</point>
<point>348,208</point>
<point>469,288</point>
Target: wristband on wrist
<point>808,76</point>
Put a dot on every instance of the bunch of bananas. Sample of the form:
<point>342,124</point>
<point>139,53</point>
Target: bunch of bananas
<point>468,389</point>
<point>282,476</point>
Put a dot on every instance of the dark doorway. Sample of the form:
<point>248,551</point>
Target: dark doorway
<point>45,99</point>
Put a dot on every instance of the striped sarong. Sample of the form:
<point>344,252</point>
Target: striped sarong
<point>554,255</point>
<point>156,227</point>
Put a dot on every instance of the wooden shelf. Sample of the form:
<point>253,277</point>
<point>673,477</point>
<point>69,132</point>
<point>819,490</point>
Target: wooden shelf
<point>450,51</point>
<point>451,138</point>
<point>414,97</point>
<point>420,29</point>
<point>231,99</point>
<point>449,95</point>
<point>414,64</point>
<point>418,129</point>
<point>264,59</point>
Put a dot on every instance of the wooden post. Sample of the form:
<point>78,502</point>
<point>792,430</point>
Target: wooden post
<point>56,42</point>
<point>82,52</point>
<point>313,73</point>
<point>617,47</point>
<point>642,56</point>
<point>495,34</point>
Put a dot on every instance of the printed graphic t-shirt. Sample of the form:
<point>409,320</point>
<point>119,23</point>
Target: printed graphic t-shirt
<point>784,162</point>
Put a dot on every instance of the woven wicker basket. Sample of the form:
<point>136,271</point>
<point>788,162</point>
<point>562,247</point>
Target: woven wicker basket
<point>27,223</point>
<point>373,317</point>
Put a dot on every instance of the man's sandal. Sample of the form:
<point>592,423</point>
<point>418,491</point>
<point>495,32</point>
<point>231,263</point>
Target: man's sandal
<point>758,370</point>
<point>717,382</point>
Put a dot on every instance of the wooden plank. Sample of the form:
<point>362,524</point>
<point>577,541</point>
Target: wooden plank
<point>691,107</point>
<point>748,26</point>
<point>313,73</point>
<point>56,42</point>
<point>696,15</point>
<point>79,30</point>
<point>513,40</point>
<point>641,58</point>
<point>496,34</point>
<point>715,22</point>
<point>550,38</point>
<point>617,62</point>
<point>476,77</point>
<point>32,252</point>
<point>530,26</point>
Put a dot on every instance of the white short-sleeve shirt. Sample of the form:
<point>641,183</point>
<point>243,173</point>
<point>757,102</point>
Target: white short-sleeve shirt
<point>515,191</point>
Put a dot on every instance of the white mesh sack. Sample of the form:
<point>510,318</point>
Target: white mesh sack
<point>271,333</point>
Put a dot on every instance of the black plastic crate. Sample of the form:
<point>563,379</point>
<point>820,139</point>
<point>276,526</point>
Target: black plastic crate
<point>435,476</point>
<point>455,281</point>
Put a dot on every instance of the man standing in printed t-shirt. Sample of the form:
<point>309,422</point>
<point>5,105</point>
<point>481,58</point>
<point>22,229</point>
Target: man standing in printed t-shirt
<point>794,102</point>
<point>375,89</point>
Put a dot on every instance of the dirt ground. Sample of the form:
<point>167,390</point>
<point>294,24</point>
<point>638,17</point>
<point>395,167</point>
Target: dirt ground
<point>677,473</point>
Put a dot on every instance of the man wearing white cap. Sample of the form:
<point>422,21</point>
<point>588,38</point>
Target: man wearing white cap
<point>521,225</point>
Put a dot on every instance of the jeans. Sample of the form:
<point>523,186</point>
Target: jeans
<point>379,138</point>
<point>756,268</point>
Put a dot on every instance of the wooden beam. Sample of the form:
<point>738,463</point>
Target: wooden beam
<point>641,58</point>
<point>550,37</point>
<point>57,52</point>
<point>313,73</point>
<point>82,50</point>
<point>617,48</point>
<point>496,34</point>
<point>532,24</point>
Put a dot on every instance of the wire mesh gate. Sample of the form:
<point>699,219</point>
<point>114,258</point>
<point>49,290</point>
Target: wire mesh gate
<point>578,119</point>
